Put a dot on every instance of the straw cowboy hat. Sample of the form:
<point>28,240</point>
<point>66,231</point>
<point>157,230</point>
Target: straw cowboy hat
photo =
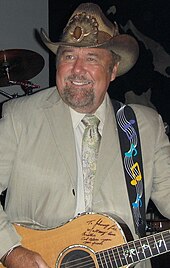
<point>88,27</point>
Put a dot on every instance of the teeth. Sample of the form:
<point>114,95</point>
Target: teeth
<point>80,83</point>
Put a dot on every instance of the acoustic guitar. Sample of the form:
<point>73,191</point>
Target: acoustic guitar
<point>93,240</point>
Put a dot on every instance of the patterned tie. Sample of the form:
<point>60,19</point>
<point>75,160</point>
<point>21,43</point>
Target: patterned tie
<point>90,148</point>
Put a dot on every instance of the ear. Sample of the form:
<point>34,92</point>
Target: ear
<point>114,71</point>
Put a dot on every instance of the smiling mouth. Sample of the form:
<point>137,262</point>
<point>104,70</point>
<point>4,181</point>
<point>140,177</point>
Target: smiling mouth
<point>80,83</point>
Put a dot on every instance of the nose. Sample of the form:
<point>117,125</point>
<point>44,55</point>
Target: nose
<point>78,66</point>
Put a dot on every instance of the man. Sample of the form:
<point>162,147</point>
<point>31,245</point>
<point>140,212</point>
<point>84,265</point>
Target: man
<point>41,140</point>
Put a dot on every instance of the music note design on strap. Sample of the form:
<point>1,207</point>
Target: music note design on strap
<point>136,173</point>
<point>132,164</point>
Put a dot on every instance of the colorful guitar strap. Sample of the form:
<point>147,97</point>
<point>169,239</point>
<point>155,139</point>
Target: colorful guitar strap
<point>132,162</point>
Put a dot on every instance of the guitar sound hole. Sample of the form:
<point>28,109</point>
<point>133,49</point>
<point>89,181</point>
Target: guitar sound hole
<point>77,258</point>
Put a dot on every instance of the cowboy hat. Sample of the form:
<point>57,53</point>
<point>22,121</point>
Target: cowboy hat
<point>88,27</point>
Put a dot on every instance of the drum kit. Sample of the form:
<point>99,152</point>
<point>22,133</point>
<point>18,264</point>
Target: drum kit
<point>17,67</point>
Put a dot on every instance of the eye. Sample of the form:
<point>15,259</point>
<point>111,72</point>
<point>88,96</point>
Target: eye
<point>69,57</point>
<point>91,59</point>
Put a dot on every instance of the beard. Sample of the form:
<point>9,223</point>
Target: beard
<point>80,98</point>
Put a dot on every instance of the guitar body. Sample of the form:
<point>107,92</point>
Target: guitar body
<point>76,241</point>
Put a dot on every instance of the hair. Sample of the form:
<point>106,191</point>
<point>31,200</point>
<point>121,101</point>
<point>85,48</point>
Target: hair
<point>58,55</point>
<point>115,59</point>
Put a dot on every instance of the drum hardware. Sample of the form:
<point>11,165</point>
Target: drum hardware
<point>17,67</point>
<point>9,96</point>
<point>27,86</point>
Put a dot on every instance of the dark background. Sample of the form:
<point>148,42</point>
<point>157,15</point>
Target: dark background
<point>152,19</point>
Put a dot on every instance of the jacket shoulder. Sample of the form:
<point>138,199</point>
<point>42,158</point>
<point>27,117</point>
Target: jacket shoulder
<point>31,102</point>
<point>148,116</point>
<point>145,111</point>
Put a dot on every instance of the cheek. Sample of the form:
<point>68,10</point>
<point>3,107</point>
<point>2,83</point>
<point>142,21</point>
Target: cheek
<point>103,80</point>
<point>60,77</point>
<point>63,71</point>
<point>102,84</point>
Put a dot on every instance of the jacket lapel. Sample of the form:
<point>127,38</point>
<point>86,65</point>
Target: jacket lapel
<point>59,119</point>
<point>109,149</point>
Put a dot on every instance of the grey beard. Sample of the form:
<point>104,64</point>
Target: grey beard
<point>69,96</point>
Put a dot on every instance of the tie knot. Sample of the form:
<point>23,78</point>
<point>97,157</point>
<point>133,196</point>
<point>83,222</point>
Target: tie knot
<point>90,120</point>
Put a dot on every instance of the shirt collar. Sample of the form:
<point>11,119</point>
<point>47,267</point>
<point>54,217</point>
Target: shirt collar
<point>100,113</point>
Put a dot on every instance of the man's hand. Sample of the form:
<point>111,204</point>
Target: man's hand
<point>21,257</point>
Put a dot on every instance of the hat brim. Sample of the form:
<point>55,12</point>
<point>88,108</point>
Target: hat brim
<point>123,45</point>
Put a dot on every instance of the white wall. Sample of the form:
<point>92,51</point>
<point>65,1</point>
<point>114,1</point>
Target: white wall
<point>18,21</point>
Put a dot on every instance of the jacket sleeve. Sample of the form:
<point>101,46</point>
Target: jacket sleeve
<point>8,145</point>
<point>161,181</point>
<point>155,147</point>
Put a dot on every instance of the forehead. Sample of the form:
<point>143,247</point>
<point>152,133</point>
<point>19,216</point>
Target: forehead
<point>85,51</point>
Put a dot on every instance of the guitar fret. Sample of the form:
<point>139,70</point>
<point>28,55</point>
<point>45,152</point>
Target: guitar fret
<point>156,244</point>
<point>119,256</point>
<point>123,254</point>
<point>133,251</point>
<point>161,243</point>
<point>105,260</point>
<point>149,251</point>
<point>99,260</point>
<point>127,254</point>
<point>166,236</point>
<point>114,252</point>
<point>143,246</point>
<point>139,250</point>
<point>115,258</point>
<point>112,258</point>
<point>102,259</point>
<point>153,246</point>
<point>109,252</point>
<point>110,263</point>
<point>146,247</point>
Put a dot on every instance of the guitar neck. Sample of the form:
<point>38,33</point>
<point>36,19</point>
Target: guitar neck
<point>135,251</point>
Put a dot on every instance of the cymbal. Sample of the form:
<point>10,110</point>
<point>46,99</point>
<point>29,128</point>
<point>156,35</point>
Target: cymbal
<point>19,65</point>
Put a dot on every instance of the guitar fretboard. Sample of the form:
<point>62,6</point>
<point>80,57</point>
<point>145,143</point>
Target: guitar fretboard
<point>135,251</point>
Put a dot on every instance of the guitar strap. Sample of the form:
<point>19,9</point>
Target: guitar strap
<point>132,162</point>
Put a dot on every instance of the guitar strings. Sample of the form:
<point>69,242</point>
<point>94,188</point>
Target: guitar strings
<point>84,261</point>
<point>123,255</point>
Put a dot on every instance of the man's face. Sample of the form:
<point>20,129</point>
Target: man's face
<point>83,76</point>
